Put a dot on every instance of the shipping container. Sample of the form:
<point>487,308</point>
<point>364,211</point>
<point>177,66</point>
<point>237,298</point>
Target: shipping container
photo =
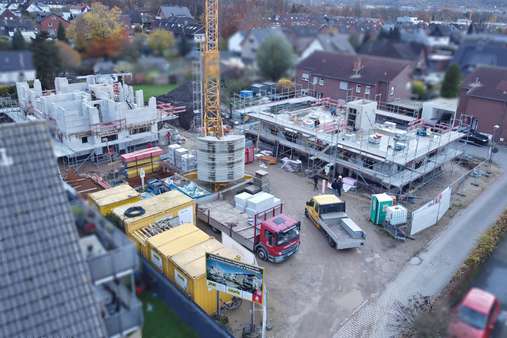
<point>145,238</point>
<point>172,205</point>
<point>160,256</point>
<point>106,200</point>
<point>191,278</point>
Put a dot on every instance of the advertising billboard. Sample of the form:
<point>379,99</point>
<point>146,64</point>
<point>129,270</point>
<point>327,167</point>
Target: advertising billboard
<point>235,278</point>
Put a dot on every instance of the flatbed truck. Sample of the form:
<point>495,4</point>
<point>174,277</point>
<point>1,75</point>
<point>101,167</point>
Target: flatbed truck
<point>327,213</point>
<point>271,235</point>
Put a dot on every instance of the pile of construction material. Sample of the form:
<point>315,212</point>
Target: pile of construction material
<point>145,161</point>
<point>261,180</point>
<point>256,204</point>
<point>181,158</point>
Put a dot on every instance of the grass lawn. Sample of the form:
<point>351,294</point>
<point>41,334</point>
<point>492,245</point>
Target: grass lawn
<point>154,90</point>
<point>161,321</point>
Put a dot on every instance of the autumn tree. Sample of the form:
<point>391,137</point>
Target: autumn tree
<point>160,41</point>
<point>99,32</point>
<point>70,58</point>
<point>275,57</point>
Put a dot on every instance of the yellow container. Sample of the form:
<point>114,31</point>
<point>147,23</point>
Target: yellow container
<point>142,162</point>
<point>144,241</point>
<point>148,169</point>
<point>160,256</point>
<point>106,200</point>
<point>191,277</point>
<point>172,204</point>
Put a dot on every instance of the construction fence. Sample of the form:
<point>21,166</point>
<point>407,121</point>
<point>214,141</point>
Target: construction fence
<point>430,213</point>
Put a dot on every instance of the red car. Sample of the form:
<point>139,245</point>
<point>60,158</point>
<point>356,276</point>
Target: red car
<point>475,316</point>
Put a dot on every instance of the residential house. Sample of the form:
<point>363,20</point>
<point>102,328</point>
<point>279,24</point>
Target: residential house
<point>345,77</point>
<point>7,15</point>
<point>36,8</point>
<point>47,286</point>
<point>234,42</point>
<point>254,39</point>
<point>16,66</point>
<point>50,24</point>
<point>414,52</point>
<point>25,26</point>
<point>165,12</point>
<point>439,36</point>
<point>481,50</point>
<point>178,25</point>
<point>483,98</point>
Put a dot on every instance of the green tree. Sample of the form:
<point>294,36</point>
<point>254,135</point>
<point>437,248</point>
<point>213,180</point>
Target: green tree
<point>18,41</point>
<point>5,43</point>
<point>60,33</point>
<point>160,41</point>
<point>46,59</point>
<point>275,57</point>
<point>452,79</point>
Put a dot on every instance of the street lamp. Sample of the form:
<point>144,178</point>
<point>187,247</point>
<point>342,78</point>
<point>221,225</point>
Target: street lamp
<point>496,127</point>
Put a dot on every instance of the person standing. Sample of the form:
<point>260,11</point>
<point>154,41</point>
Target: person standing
<point>339,186</point>
<point>315,182</point>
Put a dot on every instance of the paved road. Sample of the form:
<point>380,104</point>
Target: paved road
<point>434,266</point>
<point>493,277</point>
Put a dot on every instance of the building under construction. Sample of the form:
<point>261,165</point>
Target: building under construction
<point>375,144</point>
<point>96,115</point>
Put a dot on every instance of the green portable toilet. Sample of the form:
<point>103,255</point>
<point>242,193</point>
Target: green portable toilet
<point>379,203</point>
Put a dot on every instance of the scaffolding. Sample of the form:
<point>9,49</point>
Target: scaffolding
<point>399,162</point>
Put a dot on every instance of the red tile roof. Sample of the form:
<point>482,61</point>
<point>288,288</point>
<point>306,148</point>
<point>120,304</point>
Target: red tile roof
<point>487,83</point>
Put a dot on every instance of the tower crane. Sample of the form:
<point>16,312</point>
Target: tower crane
<point>212,119</point>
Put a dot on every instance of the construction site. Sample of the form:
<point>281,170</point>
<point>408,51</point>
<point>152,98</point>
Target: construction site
<point>256,205</point>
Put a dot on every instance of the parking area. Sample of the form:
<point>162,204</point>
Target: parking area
<point>317,289</point>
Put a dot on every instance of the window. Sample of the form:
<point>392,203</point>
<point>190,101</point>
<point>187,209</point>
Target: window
<point>270,238</point>
<point>305,76</point>
<point>344,85</point>
<point>321,82</point>
<point>391,92</point>
<point>84,139</point>
<point>139,130</point>
<point>315,80</point>
<point>367,90</point>
<point>358,89</point>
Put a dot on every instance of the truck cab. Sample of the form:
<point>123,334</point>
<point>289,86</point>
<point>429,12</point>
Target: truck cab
<point>325,207</point>
<point>277,238</point>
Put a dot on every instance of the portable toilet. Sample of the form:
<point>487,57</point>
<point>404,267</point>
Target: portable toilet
<point>379,204</point>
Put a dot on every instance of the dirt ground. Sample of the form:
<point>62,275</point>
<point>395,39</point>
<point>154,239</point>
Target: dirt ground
<point>317,289</point>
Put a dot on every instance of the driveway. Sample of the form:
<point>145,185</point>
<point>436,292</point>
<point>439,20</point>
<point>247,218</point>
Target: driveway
<point>430,271</point>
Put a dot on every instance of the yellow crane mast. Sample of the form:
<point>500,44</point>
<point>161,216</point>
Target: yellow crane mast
<point>212,119</point>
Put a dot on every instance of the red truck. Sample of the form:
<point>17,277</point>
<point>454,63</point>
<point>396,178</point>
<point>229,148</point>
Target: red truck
<point>272,235</point>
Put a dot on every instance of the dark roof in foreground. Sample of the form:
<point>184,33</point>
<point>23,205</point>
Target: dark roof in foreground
<point>45,285</point>
<point>341,66</point>
<point>487,83</point>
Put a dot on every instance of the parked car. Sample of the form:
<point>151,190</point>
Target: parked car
<point>475,316</point>
<point>474,137</point>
